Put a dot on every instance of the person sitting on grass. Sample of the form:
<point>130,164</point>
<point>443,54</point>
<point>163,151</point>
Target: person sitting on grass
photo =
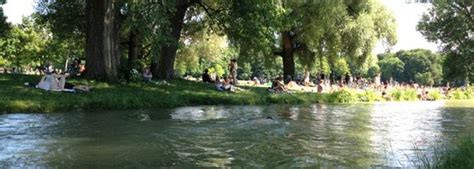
<point>218,84</point>
<point>320,86</point>
<point>206,78</point>
<point>227,86</point>
<point>45,82</point>
<point>147,76</point>
<point>256,82</point>
<point>278,86</point>
<point>57,82</point>
<point>51,81</point>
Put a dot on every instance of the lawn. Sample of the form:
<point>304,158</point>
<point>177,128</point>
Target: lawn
<point>14,97</point>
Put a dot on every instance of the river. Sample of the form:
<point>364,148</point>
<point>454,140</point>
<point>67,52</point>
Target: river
<point>365,135</point>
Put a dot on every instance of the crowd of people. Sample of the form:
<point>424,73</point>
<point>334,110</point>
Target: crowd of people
<point>322,85</point>
<point>55,80</point>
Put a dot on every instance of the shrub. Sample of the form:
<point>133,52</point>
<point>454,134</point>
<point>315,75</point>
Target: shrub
<point>434,94</point>
<point>469,92</point>
<point>368,96</point>
<point>396,94</point>
<point>457,94</point>
<point>410,95</point>
<point>342,96</point>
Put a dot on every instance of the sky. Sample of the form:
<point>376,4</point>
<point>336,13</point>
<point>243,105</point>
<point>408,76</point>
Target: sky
<point>406,14</point>
<point>16,9</point>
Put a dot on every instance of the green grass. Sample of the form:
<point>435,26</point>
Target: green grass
<point>460,154</point>
<point>14,97</point>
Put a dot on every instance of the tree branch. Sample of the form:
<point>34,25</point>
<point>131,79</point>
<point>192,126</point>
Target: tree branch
<point>278,53</point>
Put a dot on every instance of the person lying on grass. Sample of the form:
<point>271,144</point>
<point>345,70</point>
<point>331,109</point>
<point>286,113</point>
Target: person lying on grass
<point>57,82</point>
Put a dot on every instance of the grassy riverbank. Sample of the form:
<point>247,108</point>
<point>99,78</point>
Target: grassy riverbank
<point>14,97</point>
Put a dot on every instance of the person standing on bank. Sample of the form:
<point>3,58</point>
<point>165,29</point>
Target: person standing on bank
<point>233,71</point>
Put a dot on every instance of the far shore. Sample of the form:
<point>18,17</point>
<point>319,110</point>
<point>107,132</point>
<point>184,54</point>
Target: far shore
<point>15,97</point>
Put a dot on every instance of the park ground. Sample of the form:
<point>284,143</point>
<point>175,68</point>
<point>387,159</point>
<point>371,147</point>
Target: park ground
<point>15,97</point>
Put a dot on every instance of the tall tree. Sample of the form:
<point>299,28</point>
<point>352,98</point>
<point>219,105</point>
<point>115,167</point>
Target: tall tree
<point>102,39</point>
<point>311,30</point>
<point>4,26</point>
<point>451,23</point>
<point>164,68</point>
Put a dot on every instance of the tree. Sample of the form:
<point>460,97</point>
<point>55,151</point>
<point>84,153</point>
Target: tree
<point>391,67</point>
<point>24,45</point>
<point>203,51</point>
<point>4,26</point>
<point>421,61</point>
<point>66,22</point>
<point>102,39</point>
<point>94,24</point>
<point>418,65</point>
<point>310,30</point>
<point>451,23</point>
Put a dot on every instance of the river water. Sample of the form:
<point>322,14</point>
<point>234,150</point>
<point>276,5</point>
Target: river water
<point>366,135</point>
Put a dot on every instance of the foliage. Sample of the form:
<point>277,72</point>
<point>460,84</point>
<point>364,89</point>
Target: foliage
<point>410,95</point>
<point>322,32</point>
<point>67,19</point>
<point>391,67</point>
<point>403,94</point>
<point>29,45</point>
<point>452,24</point>
<point>434,94</point>
<point>342,96</point>
<point>4,25</point>
<point>454,155</point>
<point>333,34</point>
<point>24,45</point>
<point>369,96</point>
<point>373,71</point>
<point>417,65</point>
<point>462,93</point>
<point>204,51</point>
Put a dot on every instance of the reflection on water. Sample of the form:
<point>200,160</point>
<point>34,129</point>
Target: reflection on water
<point>383,134</point>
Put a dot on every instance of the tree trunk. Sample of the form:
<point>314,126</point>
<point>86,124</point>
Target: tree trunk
<point>164,68</point>
<point>288,55</point>
<point>102,40</point>
<point>132,52</point>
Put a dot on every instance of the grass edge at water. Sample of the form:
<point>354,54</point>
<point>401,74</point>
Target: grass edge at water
<point>16,98</point>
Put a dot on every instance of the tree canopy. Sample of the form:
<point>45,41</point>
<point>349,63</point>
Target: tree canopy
<point>414,66</point>
<point>451,23</point>
<point>4,26</point>
<point>179,37</point>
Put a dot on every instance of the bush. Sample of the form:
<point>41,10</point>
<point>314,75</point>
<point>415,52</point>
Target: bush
<point>396,94</point>
<point>469,92</point>
<point>342,96</point>
<point>410,95</point>
<point>368,96</point>
<point>457,94</point>
<point>434,94</point>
